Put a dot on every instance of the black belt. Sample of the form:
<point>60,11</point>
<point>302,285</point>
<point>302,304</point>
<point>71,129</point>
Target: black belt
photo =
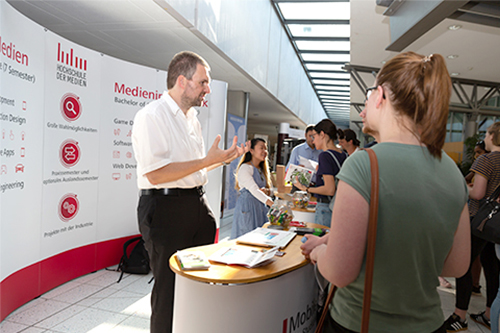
<point>323,200</point>
<point>197,191</point>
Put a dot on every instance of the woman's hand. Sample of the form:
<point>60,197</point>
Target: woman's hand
<point>266,191</point>
<point>298,184</point>
<point>311,243</point>
<point>315,252</point>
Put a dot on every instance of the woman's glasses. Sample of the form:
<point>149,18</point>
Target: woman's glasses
<point>368,92</point>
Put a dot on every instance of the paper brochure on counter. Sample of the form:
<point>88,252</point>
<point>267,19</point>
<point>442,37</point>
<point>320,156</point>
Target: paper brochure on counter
<point>243,256</point>
<point>192,260</point>
<point>266,237</point>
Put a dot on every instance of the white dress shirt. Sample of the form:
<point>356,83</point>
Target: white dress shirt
<point>162,134</point>
<point>245,180</point>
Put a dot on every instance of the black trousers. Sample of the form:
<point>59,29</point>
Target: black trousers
<point>490,264</point>
<point>331,326</point>
<point>167,224</point>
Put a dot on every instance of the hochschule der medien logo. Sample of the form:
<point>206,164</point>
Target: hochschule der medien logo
<point>71,68</point>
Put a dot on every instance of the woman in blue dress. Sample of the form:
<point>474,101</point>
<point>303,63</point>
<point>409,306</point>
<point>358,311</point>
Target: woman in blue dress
<point>253,180</point>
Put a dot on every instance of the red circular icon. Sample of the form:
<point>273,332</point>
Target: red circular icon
<point>70,107</point>
<point>68,207</point>
<point>69,153</point>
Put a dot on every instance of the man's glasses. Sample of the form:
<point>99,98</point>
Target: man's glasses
<point>311,137</point>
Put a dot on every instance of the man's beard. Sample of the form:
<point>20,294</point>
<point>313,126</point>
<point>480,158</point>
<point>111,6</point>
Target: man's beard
<point>192,101</point>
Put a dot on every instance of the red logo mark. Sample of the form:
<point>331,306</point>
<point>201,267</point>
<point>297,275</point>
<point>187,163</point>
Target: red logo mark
<point>116,154</point>
<point>71,107</point>
<point>68,207</point>
<point>116,176</point>
<point>128,176</point>
<point>69,153</point>
<point>117,131</point>
<point>70,59</point>
<point>129,154</point>
<point>3,169</point>
<point>19,168</point>
<point>205,104</point>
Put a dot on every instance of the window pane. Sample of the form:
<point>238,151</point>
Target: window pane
<point>326,57</point>
<point>317,67</point>
<point>315,10</point>
<point>306,45</point>
<point>320,30</point>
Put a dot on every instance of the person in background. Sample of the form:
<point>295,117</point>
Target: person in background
<point>330,160</point>
<point>173,211</point>
<point>253,180</point>
<point>348,141</point>
<point>306,149</point>
<point>406,111</point>
<point>487,178</point>
<point>479,150</point>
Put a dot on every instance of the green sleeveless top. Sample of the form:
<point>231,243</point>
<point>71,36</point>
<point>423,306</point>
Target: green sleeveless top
<point>420,202</point>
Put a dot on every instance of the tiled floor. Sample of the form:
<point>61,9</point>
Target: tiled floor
<point>95,303</point>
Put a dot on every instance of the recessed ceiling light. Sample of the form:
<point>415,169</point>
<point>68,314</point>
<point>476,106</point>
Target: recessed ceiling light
<point>454,27</point>
<point>452,56</point>
<point>383,62</point>
<point>455,74</point>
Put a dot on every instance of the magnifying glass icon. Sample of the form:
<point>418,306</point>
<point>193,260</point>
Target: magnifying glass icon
<point>71,107</point>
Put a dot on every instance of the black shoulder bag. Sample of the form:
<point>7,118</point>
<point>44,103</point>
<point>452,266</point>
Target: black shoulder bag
<point>486,223</point>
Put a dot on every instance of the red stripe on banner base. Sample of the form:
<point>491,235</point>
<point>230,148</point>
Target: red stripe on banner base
<point>58,51</point>
<point>32,281</point>
<point>285,325</point>
<point>71,58</point>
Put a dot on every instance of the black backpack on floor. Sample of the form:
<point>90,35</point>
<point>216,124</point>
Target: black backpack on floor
<point>137,262</point>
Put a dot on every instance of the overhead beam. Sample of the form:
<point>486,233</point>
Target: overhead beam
<point>414,18</point>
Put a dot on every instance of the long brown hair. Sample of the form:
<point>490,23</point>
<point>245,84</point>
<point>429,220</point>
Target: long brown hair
<point>494,130</point>
<point>263,166</point>
<point>419,87</point>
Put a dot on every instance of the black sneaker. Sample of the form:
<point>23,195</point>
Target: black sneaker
<point>476,290</point>
<point>480,318</point>
<point>455,324</point>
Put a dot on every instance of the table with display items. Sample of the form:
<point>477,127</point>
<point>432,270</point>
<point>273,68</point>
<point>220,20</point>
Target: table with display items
<point>278,297</point>
<point>300,214</point>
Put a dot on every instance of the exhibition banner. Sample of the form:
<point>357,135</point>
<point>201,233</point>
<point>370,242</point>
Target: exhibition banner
<point>21,139</point>
<point>126,88</point>
<point>68,183</point>
<point>235,126</point>
<point>71,145</point>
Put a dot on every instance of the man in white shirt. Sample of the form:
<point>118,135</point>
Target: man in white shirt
<point>173,212</point>
<point>349,142</point>
<point>306,149</point>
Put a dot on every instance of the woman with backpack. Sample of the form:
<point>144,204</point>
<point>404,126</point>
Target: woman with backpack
<point>329,163</point>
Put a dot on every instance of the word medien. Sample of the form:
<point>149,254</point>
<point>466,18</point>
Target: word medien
<point>136,91</point>
<point>12,118</point>
<point>9,50</point>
